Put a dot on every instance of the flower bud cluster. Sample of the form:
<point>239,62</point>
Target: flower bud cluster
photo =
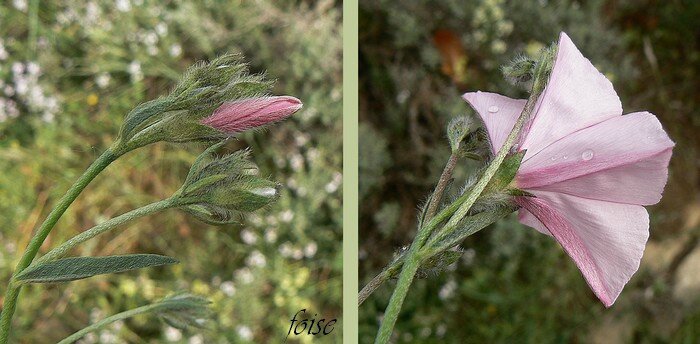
<point>217,188</point>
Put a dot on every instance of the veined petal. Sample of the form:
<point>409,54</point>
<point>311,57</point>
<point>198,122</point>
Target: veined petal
<point>525,217</point>
<point>605,239</point>
<point>576,96</point>
<point>498,112</point>
<point>641,182</point>
<point>624,159</point>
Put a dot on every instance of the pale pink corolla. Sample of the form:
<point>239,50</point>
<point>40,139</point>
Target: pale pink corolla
<point>242,115</point>
<point>591,169</point>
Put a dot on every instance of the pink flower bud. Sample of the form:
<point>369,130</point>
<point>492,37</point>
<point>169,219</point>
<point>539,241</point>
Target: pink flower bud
<point>242,115</point>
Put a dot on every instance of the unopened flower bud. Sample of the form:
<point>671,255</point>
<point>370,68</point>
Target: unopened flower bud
<point>242,115</point>
<point>217,188</point>
<point>212,101</point>
<point>457,130</point>
<point>519,70</point>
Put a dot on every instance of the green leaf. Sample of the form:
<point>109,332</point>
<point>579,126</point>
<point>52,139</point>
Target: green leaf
<point>74,268</point>
<point>468,226</point>
<point>506,172</point>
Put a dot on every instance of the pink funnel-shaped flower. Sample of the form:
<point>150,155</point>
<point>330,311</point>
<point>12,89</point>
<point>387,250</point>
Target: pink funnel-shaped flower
<point>242,115</point>
<point>591,169</point>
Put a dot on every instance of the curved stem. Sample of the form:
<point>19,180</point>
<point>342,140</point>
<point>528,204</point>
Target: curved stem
<point>378,280</point>
<point>436,198</point>
<point>106,321</point>
<point>108,225</point>
<point>12,292</point>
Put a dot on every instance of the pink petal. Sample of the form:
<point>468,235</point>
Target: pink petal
<point>605,239</point>
<point>576,96</point>
<point>640,182</point>
<point>498,112</point>
<point>623,159</point>
<point>525,217</point>
<point>245,114</point>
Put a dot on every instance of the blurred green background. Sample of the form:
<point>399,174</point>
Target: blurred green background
<point>514,285</point>
<point>70,71</point>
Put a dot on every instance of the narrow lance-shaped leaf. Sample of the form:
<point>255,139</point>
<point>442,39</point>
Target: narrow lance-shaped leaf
<point>74,268</point>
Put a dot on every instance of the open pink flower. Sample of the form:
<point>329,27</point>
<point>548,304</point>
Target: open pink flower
<point>242,115</point>
<point>591,169</point>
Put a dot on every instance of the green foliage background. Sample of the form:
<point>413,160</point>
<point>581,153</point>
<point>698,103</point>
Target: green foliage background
<point>514,285</point>
<point>98,59</point>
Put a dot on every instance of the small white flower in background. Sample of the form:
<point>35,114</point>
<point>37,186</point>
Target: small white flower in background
<point>256,259</point>
<point>441,330</point>
<point>89,338</point>
<point>3,52</point>
<point>107,337</point>
<point>118,325</point>
<point>312,154</point>
<point>150,38</point>
<point>102,80</point>
<point>92,11</point>
<point>17,68</point>
<point>33,68</point>
<point>135,72</point>
<point>447,290</point>
<point>287,216</point>
<point>21,85</point>
<point>175,50</point>
<point>296,162</point>
<point>196,339</point>
<point>271,220</point>
<point>123,5</point>
<point>228,288</point>
<point>244,332</point>
<point>248,237</point>
<point>255,219</point>
<point>301,140</point>
<point>310,249</point>
<point>96,315</point>
<point>286,249</point>
<point>335,183</point>
<point>20,5</point>
<point>298,254</point>
<point>161,29</point>
<point>172,334</point>
<point>468,256</point>
<point>270,235</point>
<point>244,275</point>
<point>47,117</point>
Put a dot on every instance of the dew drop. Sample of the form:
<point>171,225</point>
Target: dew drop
<point>565,157</point>
<point>554,158</point>
<point>493,109</point>
<point>587,155</point>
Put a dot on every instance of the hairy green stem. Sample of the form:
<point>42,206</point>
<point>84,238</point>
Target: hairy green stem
<point>445,177</point>
<point>378,280</point>
<point>410,267</point>
<point>62,249</point>
<point>106,321</point>
<point>12,292</point>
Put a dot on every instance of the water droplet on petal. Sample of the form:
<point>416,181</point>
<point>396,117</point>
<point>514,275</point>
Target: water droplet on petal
<point>554,158</point>
<point>493,109</point>
<point>565,157</point>
<point>587,155</point>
